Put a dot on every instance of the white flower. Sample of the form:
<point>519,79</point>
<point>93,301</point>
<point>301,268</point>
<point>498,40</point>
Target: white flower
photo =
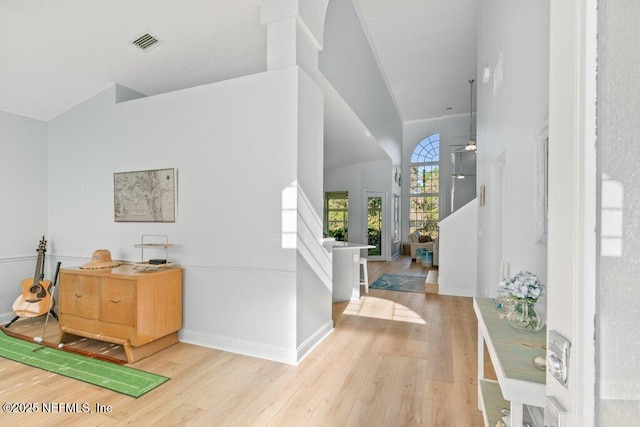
<point>522,285</point>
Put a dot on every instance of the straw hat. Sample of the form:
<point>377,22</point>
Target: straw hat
<point>100,259</point>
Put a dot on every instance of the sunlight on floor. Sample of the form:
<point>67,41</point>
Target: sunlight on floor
<point>379,308</point>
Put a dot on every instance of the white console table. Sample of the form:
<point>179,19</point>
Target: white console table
<point>346,269</point>
<point>512,353</point>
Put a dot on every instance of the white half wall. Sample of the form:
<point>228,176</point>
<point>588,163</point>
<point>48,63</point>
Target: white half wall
<point>457,244</point>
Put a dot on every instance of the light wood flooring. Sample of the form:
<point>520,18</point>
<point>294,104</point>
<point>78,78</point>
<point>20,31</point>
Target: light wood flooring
<point>394,359</point>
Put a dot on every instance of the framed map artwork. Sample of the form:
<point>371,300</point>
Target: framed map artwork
<point>145,196</point>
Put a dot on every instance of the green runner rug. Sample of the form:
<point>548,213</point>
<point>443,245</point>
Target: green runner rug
<point>122,379</point>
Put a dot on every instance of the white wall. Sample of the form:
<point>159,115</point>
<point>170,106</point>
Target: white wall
<point>618,292</point>
<point>313,263</point>
<point>348,62</point>
<point>23,173</point>
<point>238,146</point>
<point>513,40</point>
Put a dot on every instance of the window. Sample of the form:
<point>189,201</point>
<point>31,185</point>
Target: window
<point>424,186</point>
<point>336,215</point>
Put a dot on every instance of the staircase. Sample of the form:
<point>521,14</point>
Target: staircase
<point>431,284</point>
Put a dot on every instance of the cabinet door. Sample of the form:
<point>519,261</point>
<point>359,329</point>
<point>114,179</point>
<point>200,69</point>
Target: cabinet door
<point>79,295</point>
<point>117,301</point>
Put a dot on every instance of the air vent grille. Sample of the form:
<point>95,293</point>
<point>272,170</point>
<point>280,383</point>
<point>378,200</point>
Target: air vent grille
<point>145,41</point>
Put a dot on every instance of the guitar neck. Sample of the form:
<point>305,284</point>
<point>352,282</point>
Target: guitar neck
<point>38,275</point>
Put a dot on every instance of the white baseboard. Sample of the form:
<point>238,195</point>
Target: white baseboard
<point>289,356</point>
<point>6,318</point>
<point>457,292</point>
<point>305,348</point>
<point>234,345</point>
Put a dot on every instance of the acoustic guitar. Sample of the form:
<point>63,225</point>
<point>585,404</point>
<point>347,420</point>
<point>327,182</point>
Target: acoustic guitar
<point>35,299</point>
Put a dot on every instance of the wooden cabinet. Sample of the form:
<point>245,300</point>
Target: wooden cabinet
<point>520,385</point>
<point>140,310</point>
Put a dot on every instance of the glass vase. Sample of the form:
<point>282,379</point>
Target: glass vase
<point>523,316</point>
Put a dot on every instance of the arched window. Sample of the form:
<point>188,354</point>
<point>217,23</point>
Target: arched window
<point>424,186</point>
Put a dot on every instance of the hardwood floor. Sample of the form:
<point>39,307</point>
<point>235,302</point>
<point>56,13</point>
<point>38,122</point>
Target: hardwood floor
<point>394,359</point>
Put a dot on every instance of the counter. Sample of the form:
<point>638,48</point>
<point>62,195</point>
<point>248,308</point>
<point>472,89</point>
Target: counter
<point>346,269</point>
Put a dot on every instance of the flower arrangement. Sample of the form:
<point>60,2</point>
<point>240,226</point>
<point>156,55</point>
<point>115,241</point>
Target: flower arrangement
<point>523,286</point>
<point>524,289</point>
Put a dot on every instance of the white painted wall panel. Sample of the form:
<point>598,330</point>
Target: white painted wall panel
<point>513,40</point>
<point>23,217</point>
<point>313,263</point>
<point>234,145</point>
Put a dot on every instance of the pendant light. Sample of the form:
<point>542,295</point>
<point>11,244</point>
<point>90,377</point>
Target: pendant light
<point>471,145</point>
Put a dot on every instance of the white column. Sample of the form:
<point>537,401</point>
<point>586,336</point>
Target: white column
<point>294,32</point>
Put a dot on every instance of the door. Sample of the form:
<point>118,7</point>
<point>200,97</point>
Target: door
<point>375,234</point>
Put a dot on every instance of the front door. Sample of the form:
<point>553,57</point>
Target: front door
<point>375,231</point>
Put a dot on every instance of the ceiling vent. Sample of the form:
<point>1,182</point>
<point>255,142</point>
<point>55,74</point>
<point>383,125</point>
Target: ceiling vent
<point>145,41</point>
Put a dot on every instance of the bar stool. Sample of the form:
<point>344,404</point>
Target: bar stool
<point>365,275</point>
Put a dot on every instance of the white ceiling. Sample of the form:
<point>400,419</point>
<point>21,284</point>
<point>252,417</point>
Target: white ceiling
<point>427,51</point>
<point>54,55</point>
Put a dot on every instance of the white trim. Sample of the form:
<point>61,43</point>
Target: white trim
<point>187,267</point>
<point>239,346</point>
<point>289,356</point>
<point>591,265</point>
<point>316,338</point>
<point>571,271</point>
<point>457,292</point>
<point>20,258</point>
<point>7,317</point>
<point>540,182</point>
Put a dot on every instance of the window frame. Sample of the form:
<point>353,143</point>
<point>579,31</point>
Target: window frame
<point>426,154</point>
<point>336,195</point>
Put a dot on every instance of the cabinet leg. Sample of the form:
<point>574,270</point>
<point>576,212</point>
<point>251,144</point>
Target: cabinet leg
<point>136,353</point>
<point>66,337</point>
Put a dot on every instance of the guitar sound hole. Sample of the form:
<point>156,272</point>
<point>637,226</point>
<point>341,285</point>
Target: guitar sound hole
<point>38,290</point>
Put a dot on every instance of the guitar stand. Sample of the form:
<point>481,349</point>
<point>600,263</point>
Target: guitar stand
<point>53,313</point>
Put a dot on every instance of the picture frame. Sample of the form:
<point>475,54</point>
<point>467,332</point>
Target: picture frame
<point>145,196</point>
